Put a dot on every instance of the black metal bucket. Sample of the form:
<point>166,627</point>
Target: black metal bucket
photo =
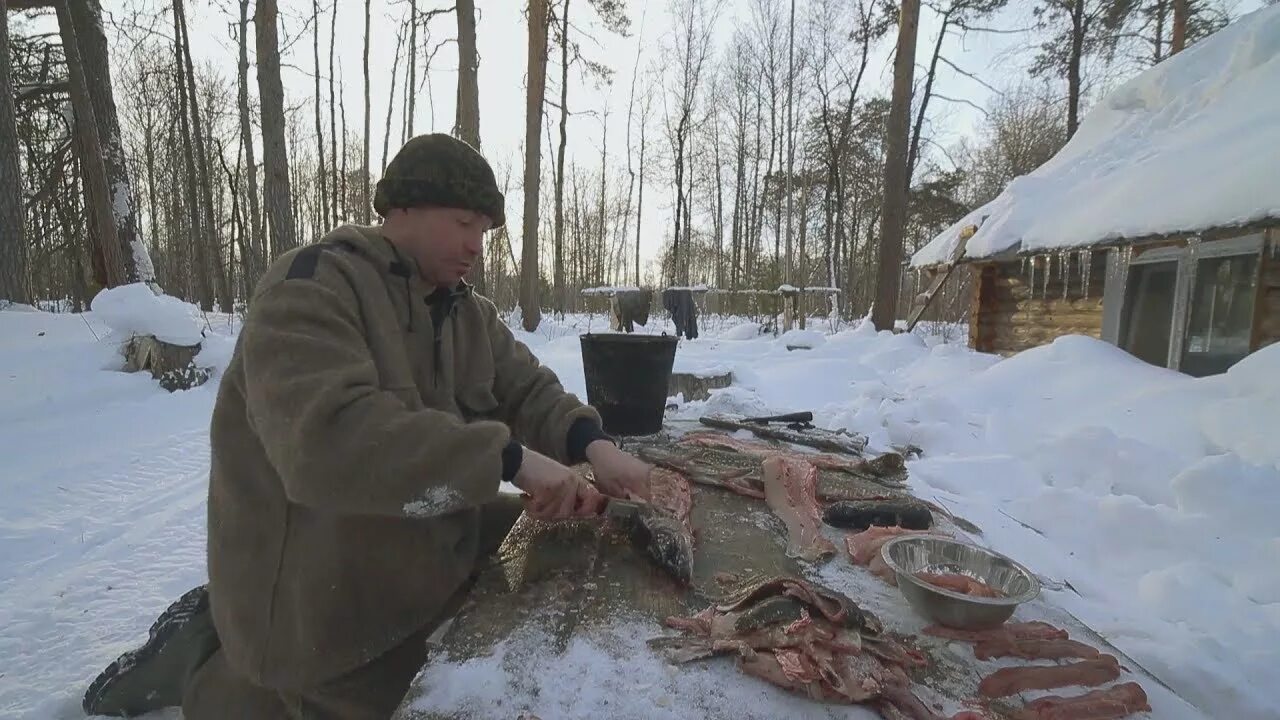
<point>627,379</point>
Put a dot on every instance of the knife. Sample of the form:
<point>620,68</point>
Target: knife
<point>659,535</point>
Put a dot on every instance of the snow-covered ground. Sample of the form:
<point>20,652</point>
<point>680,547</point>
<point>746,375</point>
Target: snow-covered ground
<point>1154,495</point>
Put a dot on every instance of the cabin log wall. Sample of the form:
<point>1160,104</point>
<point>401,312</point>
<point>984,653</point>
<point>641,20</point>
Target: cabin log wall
<point>1009,316</point>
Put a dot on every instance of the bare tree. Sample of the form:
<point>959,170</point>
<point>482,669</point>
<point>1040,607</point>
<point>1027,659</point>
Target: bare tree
<point>210,236</point>
<point>788,271</point>
<point>538,18</point>
<point>13,238</point>
<point>893,219</point>
<point>255,263</point>
<point>315,46</point>
<point>466,124</point>
<point>275,152</point>
<point>365,129</point>
<point>557,287</point>
<point>335,194</point>
<point>411,87</point>
<point>112,259</point>
<point>692,37</point>
<point>391,95</point>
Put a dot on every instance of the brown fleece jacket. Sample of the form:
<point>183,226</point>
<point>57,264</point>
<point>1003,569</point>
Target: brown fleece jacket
<point>359,424</point>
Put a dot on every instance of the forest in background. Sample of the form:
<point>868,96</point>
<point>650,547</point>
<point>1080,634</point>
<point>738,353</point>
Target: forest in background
<point>780,160</point>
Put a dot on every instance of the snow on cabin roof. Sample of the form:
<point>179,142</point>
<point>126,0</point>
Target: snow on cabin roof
<point>1188,145</point>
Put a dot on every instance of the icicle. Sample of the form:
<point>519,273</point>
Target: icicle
<point>1031,284</point>
<point>1048,270</point>
<point>1086,262</point>
<point>1065,274</point>
<point>1024,265</point>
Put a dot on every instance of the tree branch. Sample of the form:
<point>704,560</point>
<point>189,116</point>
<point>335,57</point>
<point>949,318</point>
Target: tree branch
<point>969,75</point>
<point>962,101</point>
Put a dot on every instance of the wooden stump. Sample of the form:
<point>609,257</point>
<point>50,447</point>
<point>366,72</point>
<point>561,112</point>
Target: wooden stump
<point>696,387</point>
<point>172,365</point>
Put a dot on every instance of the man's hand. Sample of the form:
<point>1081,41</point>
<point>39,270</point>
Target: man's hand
<point>555,492</point>
<point>618,474</point>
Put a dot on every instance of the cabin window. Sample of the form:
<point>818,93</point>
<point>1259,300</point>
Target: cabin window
<point>1221,315</point>
<point>1188,308</point>
<point>1147,325</point>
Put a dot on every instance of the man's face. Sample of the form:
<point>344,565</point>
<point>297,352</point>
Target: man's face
<point>445,242</point>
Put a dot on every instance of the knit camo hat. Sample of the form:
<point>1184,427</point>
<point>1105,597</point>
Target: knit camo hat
<point>443,171</point>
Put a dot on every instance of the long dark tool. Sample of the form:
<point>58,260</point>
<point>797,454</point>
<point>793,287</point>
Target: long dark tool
<point>795,417</point>
<point>860,515</point>
<point>659,534</point>
<point>798,433</point>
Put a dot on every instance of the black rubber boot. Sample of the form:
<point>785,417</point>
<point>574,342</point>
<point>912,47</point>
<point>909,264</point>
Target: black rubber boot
<point>155,675</point>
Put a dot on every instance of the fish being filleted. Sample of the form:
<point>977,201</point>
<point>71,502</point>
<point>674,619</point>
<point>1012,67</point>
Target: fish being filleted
<point>661,527</point>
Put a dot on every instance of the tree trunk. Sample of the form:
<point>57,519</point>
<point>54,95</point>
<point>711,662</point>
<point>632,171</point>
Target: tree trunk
<point>197,237</point>
<point>893,220</point>
<point>391,100</point>
<point>537,73</point>
<point>255,241</point>
<point>334,195</point>
<point>640,204</point>
<point>344,198</point>
<point>675,233</point>
<point>1180,12</point>
<point>13,237</point>
<point>914,155</point>
<point>1073,66</point>
<point>466,125</point>
<point>604,148</point>
<point>92,46</point>
<point>113,257</point>
<point>1158,40</point>
<point>323,173</point>
<point>275,153</point>
<point>558,292</point>
<point>411,80</point>
<point>364,175</point>
<point>212,244</point>
<point>789,269</point>
<point>719,220</point>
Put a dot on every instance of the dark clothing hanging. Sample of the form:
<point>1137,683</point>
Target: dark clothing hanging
<point>684,313</point>
<point>631,307</point>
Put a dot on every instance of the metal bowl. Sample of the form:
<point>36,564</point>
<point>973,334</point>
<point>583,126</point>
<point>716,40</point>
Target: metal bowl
<point>909,555</point>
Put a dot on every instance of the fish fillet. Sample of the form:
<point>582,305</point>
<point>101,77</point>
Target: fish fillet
<point>790,490</point>
<point>1013,680</point>
<point>1035,630</point>
<point>864,548</point>
<point>1109,704</point>
<point>1033,649</point>
<point>960,583</point>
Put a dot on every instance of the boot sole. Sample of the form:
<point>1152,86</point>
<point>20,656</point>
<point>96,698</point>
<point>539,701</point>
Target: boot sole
<point>110,694</point>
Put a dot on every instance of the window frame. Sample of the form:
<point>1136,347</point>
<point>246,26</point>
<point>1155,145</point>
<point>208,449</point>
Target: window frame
<point>1188,257</point>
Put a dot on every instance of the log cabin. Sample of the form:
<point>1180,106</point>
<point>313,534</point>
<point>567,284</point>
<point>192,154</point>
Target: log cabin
<point>1156,228</point>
